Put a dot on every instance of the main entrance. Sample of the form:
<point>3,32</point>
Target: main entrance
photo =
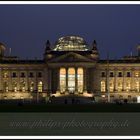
<point>71,79</point>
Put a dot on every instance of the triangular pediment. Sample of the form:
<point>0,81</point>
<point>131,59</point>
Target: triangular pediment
<point>71,57</point>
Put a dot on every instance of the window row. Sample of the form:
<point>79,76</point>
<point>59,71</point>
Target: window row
<point>119,86</point>
<point>22,74</point>
<point>119,74</point>
<point>22,86</point>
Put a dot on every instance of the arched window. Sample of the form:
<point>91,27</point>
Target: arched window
<point>80,79</point>
<point>62,79</point>
<point>103,86</point>
<point>128,86</point>
<point>31,86</point>
<point>6,88</point>
<point>5,74</point>
<point>71,79</point>
<point>120,85</point>
<point>22,86</point>
<point>137,86</point>
<point>40,86</point>
<point>111,86</point>
<point>14,86</point>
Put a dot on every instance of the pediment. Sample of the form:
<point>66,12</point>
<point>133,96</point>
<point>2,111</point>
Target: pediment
<point>71,57</point>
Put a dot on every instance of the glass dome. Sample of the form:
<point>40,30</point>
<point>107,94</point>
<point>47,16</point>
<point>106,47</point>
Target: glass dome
<point>71,43</point>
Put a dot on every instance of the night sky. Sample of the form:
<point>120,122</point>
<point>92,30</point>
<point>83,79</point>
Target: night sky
<point>26,28</point>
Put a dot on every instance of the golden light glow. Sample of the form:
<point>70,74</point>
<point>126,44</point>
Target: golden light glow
<point>137,74</point>
<point>120,86</point>
<point>80,79</point>
<point>103,86</point>
<point>111,86</point>
<point>137,86</point>
<point>5,75</point>
<point>71,79</point>
<point>128,86</point>
<point>31,86</point>
<point>40,86</point>
<point>62,79</point>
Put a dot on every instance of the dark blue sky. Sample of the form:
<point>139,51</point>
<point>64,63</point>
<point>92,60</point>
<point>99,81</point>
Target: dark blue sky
<point>25,28</point>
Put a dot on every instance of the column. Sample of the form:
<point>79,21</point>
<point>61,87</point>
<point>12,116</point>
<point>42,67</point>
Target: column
<point>0,79</point>
<point>115,76</point>
<point>139,79</point>
<point>76,80</point>
<point>10,80</point>
<point>66,79</point>
<point>58,79</point>
<point>123,88</point>
<point>18,79</point>
<point>50,80</point>
<point>85,80</point>
<point>132,88</point>
<point>26,81</point>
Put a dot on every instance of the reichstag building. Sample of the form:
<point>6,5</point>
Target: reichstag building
<point>70,66</point>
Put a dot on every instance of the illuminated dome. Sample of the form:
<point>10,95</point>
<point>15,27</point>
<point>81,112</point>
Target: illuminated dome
<point>71,43</point>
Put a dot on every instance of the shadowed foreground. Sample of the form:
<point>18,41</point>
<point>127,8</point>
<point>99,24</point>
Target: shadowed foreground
<point>96,107</point>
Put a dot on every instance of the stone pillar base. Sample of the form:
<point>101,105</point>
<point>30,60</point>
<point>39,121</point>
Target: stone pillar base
<point>85,91</point>
<point>58,92</point>
<point>76,92</point>
<point>66,92</point>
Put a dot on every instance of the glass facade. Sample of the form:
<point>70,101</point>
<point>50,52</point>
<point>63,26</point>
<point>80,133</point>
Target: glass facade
<point>74,79</point>
<point>71,43</point>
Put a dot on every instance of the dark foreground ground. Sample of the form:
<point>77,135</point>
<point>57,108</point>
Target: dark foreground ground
<point>95,107</point>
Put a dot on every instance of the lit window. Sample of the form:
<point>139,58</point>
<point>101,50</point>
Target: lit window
<point>22,86</point>
<point>103,86</point>
<point>71,79</point>
<point>40,86</point>
<point>6,88</point>
<point>14,87</point>
<point>62,79</point>
<point>137,86</point>
<point>120,86</point>
<point>5,75</point>
<point>31,86</point>
<point>136,74</point>
<point>111,86</point>
<point>128,85</point>
<point>80,79</point>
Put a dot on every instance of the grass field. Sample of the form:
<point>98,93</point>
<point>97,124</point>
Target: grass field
<point>70,107</point>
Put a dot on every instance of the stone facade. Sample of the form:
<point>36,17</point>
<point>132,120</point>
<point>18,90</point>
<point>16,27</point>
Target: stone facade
<point>31,79</point>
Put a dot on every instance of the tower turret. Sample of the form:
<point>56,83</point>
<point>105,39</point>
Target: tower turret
<point>47,54</point>
<point>95,54</point>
